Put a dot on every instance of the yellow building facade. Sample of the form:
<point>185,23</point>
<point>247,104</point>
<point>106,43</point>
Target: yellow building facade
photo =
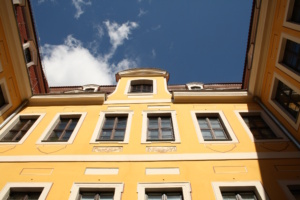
<point>143,139</point>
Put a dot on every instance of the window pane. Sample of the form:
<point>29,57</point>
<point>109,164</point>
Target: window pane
<point>107,197</point>
<point>73,124</point>
<point>122,121</point>
<point>67,135</point>
<point>55,135</point>
<point>174,196</point>
<point>166,122</point>
<point>106,134</point>
<point>203,123</point>
<point>152,134</point>
<point>167,134</point>
<point>2,100</point>
<point>206,134</point>
<point>153,123</point>
<point>23,195</point>
<point>220,134</point>
<point>119,134</point>
<point>248,196</point>
<point>229,196</point>
<point>215,123</point>
<point>109,122</point>
<point>87,196</point>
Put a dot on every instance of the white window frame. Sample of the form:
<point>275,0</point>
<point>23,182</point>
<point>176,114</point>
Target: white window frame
<point>15,120</point>
<point>268,121</point>
<point>46,185</point>
<point>95,87</point>
<point>145,126</point>
<point>100,124</point>
<point>282,44</point>
<point>284,185</point>
<point>194,115</point>
<point>54,122</point>
<point>140,95</point>
<point>185,187</point>
<point>118,187</point>
<point>253,186</point>
<point>277,106</point>
<point>33,52</point>
<point>6,96</point>
<point>288,14</point>
<point>190,85</point>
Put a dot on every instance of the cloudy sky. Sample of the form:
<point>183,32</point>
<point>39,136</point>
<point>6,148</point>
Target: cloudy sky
<point>88,41</point>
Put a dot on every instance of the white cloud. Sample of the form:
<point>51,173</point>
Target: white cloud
<point>73,64</point>
<point>78,5</point>
<point>118,33</point>
<point>100,30</point>
<point>155,28</point>
<point>153,53</point>
<point>142,12</point>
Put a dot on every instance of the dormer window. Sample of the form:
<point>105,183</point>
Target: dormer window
<point>30,53</point>
<point>196,88</point>
<point>141,86</point>
<point>90,88</point>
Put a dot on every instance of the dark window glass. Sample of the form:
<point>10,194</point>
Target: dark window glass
<point>212,128</point>
<point>291,57</point>
<point>164,196</point>
<point>96,196</point>
<point>295,190</point>
<point>141,86</point>
<point>160,128</point>
<point>239,196</point>
<point>259,128</point>
<point>2,99</point>
<point>296,12</point>
<point>113,129</point>
<point>16,133</point>
<point>64,129</point>
<point>288,99</point>
<point>14,195</point>
<point>27,55</point>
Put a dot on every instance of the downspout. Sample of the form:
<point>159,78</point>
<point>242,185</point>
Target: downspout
<point>277,122</point>
<point>13,114</point>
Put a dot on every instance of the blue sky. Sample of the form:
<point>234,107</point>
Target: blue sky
<point>88,41</point>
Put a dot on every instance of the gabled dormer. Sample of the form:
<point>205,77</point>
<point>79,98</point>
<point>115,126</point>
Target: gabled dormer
<point>141,83</point>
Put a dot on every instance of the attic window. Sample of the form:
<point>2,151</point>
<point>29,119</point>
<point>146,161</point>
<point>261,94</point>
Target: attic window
<point>196,88</point>
<point>141,86</point>
<point>30,53</point>
<point>90,90</point>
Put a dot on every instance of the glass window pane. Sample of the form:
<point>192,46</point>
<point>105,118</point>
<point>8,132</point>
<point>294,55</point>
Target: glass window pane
<point>167,134</point>
<point>119,134</point>
<point>202,123</point>
<point>206,134</point>
<point>67,135</point>
<point>122,121</point>
<point>248,196</point>
<point>109,123</point>
<point>105,135</point>
<point>220,134</point>
<point>152,134</point>
<point>153,122</point>
<point>166,122</point>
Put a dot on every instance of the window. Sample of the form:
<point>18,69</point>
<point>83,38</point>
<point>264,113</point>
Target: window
<point>160,126</point>
<point>16,133</point>
<point>5,102</point>
<point>259,128</point>
<point>239,190</point>
<point>30,53</point>
<point>295,190</point>
<point>164,191</point>
<point>212,127</point>
<point>24,191</point>
<point>113,126</point>
<point>292,16</point>
<point>291,188</point>
<point>96,191</point>
<point>164,195</point>
<point>19,128</point>
<point>113,129</point>
<point>291,57</point>
<point>141,86</point>
<point>288,99</point>
<point>62,129</point>
<point>285,98</point>
<point>239,196</point>
<point>196,88</point>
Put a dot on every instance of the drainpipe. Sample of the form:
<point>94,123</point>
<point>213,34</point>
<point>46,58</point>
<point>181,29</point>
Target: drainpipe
<point>13,114</point>
<point>277,122</point>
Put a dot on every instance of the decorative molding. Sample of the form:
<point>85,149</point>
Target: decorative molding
<point>107,149</point>
<point>161,149</point>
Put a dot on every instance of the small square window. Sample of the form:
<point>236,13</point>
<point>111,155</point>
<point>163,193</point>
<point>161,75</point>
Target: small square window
<point>62,129</point>
<point>113,129</point>
<point>17,132</point>
<point>5,102</point>
<point>141,86</point>
<point>212,127</point>
<point>160,126</point>
<point>96,191</point>
<point>288,99</point>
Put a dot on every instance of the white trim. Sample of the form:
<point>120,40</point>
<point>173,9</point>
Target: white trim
<point>6,95</point>
<point>14,121</point>
<point>185,187</point>
<point>33,52</point>
<point>145,126</point>
<point>53,123</point>
<point>101,121</point>
<point>19,2</point>
<point>199,85</point>
<point>151,157</point>
<point>6,190</point>
<point>277,106</point>
<point>118,189</point>
<point>288,13</point>
<point>254,186</point>
<point>269,122</point>
<point>224,120</point>
<point>284,185</point>
<point>108,102</point>
<point>281,49</point>
<point>90,86</point>
<point>141,95</point>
